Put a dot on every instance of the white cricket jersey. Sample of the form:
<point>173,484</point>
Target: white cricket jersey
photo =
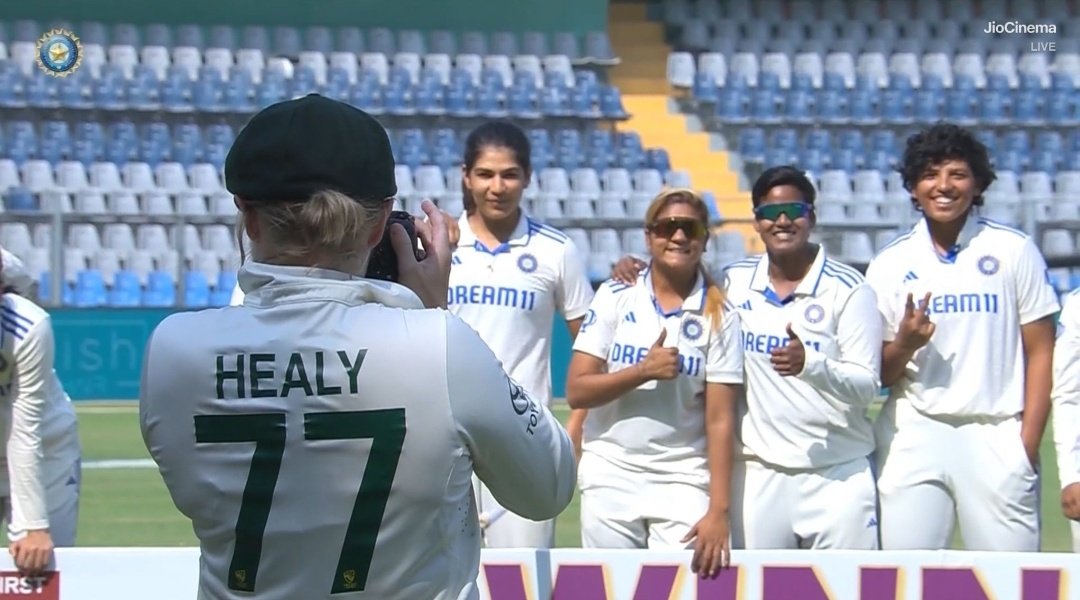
<point>992,282</point>
<point>1066,391</point>
<point>817,418</point>
<point>658,428</point>
<point>510,295</point>
<point>237,297</point>
<point>336,424</point>
<point>37,418</point>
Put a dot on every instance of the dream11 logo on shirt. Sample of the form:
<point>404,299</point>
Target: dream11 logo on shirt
<point>13,586</point>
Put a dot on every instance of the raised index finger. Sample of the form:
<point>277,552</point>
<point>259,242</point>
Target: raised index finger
<point>440,237</point>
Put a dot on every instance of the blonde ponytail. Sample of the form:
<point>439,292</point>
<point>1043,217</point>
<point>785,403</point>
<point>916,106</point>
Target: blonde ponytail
<point>328,229</point>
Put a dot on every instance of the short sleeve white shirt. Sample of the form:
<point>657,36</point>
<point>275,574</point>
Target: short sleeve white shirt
<point>659,428</point>
<point>990,284</point>
<point>510,295</point>
<point>1066,391</point>
<point>817,418</point>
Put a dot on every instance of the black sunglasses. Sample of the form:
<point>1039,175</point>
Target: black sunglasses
<point>793,210</point>
<point>666,228</point>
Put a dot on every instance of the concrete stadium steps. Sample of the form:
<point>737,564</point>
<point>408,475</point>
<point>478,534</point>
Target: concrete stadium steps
<point>641,77</point>
<point>709,170</point>
<point>639,44</point>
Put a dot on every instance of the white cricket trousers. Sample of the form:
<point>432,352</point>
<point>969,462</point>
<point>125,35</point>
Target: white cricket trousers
<point>624,509</point>
<point>934,470</point>
<point>63,483</point>
<point>828,508</point>
<point>508,530</point>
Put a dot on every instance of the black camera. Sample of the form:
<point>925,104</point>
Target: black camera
<point>383,263</point>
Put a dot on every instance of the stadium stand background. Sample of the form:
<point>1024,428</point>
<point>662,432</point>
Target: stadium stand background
<point>110,177</point>
<point>836,86</point>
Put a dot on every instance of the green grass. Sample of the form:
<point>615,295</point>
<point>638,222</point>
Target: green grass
<point>131,507</point>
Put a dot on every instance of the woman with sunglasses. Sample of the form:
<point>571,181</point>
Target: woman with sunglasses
<point>658,364</point>
<point>812,349</point>
<point>968,313</point>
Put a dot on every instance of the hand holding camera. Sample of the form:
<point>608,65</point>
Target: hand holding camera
<point>426,272</point>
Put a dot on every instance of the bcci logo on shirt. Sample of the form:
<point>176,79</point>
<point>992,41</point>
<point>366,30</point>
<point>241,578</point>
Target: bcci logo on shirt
<point>814,314</point>
<point>59,53</point>
<point>527,263</point>
<point>692,329</point>
<point>988,265</point>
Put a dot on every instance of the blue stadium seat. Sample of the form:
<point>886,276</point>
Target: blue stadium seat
<point>1061,108</point>
<point>287,41</point>
<point>832,106</point>
<point>658,158</point>
<point>862,105</point>
<point>350,39</point>
<point>206,95</point>
<point>798,106</point>
<point>190,36</point>
<point>41,92</point>
<point>1027,107</point>
<point>705,90</point>
<point>731,105</point>
<point>74,91</point>
<point>155,34</point>
<point>160,290</point>
<point>89,289</point>
<point>67,291</point>
<point>20,199</point>
<point>611,103</point>
<point>126,291</point>
<point>271,91</point>
<point>959,106</point>
<point>196,290</point>
<point>927,105</point>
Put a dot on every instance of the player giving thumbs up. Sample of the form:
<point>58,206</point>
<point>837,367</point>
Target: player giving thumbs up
<point>660,362</point>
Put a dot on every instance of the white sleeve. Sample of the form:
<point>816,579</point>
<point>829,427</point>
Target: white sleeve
<point>1065,394</point>
<point>33,367</point>
<point>597,331</point>
<point>878,277</point>
<point>856,376</point>
<point>237,296</point>
<point>166,421</point>
<point>519,449</point>
<point>725,361</point>
<point>1035,296</point>
<point>574,292</point>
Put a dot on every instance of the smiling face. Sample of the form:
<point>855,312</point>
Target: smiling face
<point>946,191</point>
<point>676,237</point>
<point>496,183</point>
<point>784,220</point>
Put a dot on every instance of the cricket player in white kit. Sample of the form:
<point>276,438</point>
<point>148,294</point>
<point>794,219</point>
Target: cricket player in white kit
<point>811,339</point>
<point>39,488</point>
<point>967,310</point>
<point>1066,412</point>
<point>659,367</point>
<point>510,275</point>
<point>322,436</point>
<point>812,357</point>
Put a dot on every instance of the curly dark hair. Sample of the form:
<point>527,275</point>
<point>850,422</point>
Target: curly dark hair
<point>942,142</point>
